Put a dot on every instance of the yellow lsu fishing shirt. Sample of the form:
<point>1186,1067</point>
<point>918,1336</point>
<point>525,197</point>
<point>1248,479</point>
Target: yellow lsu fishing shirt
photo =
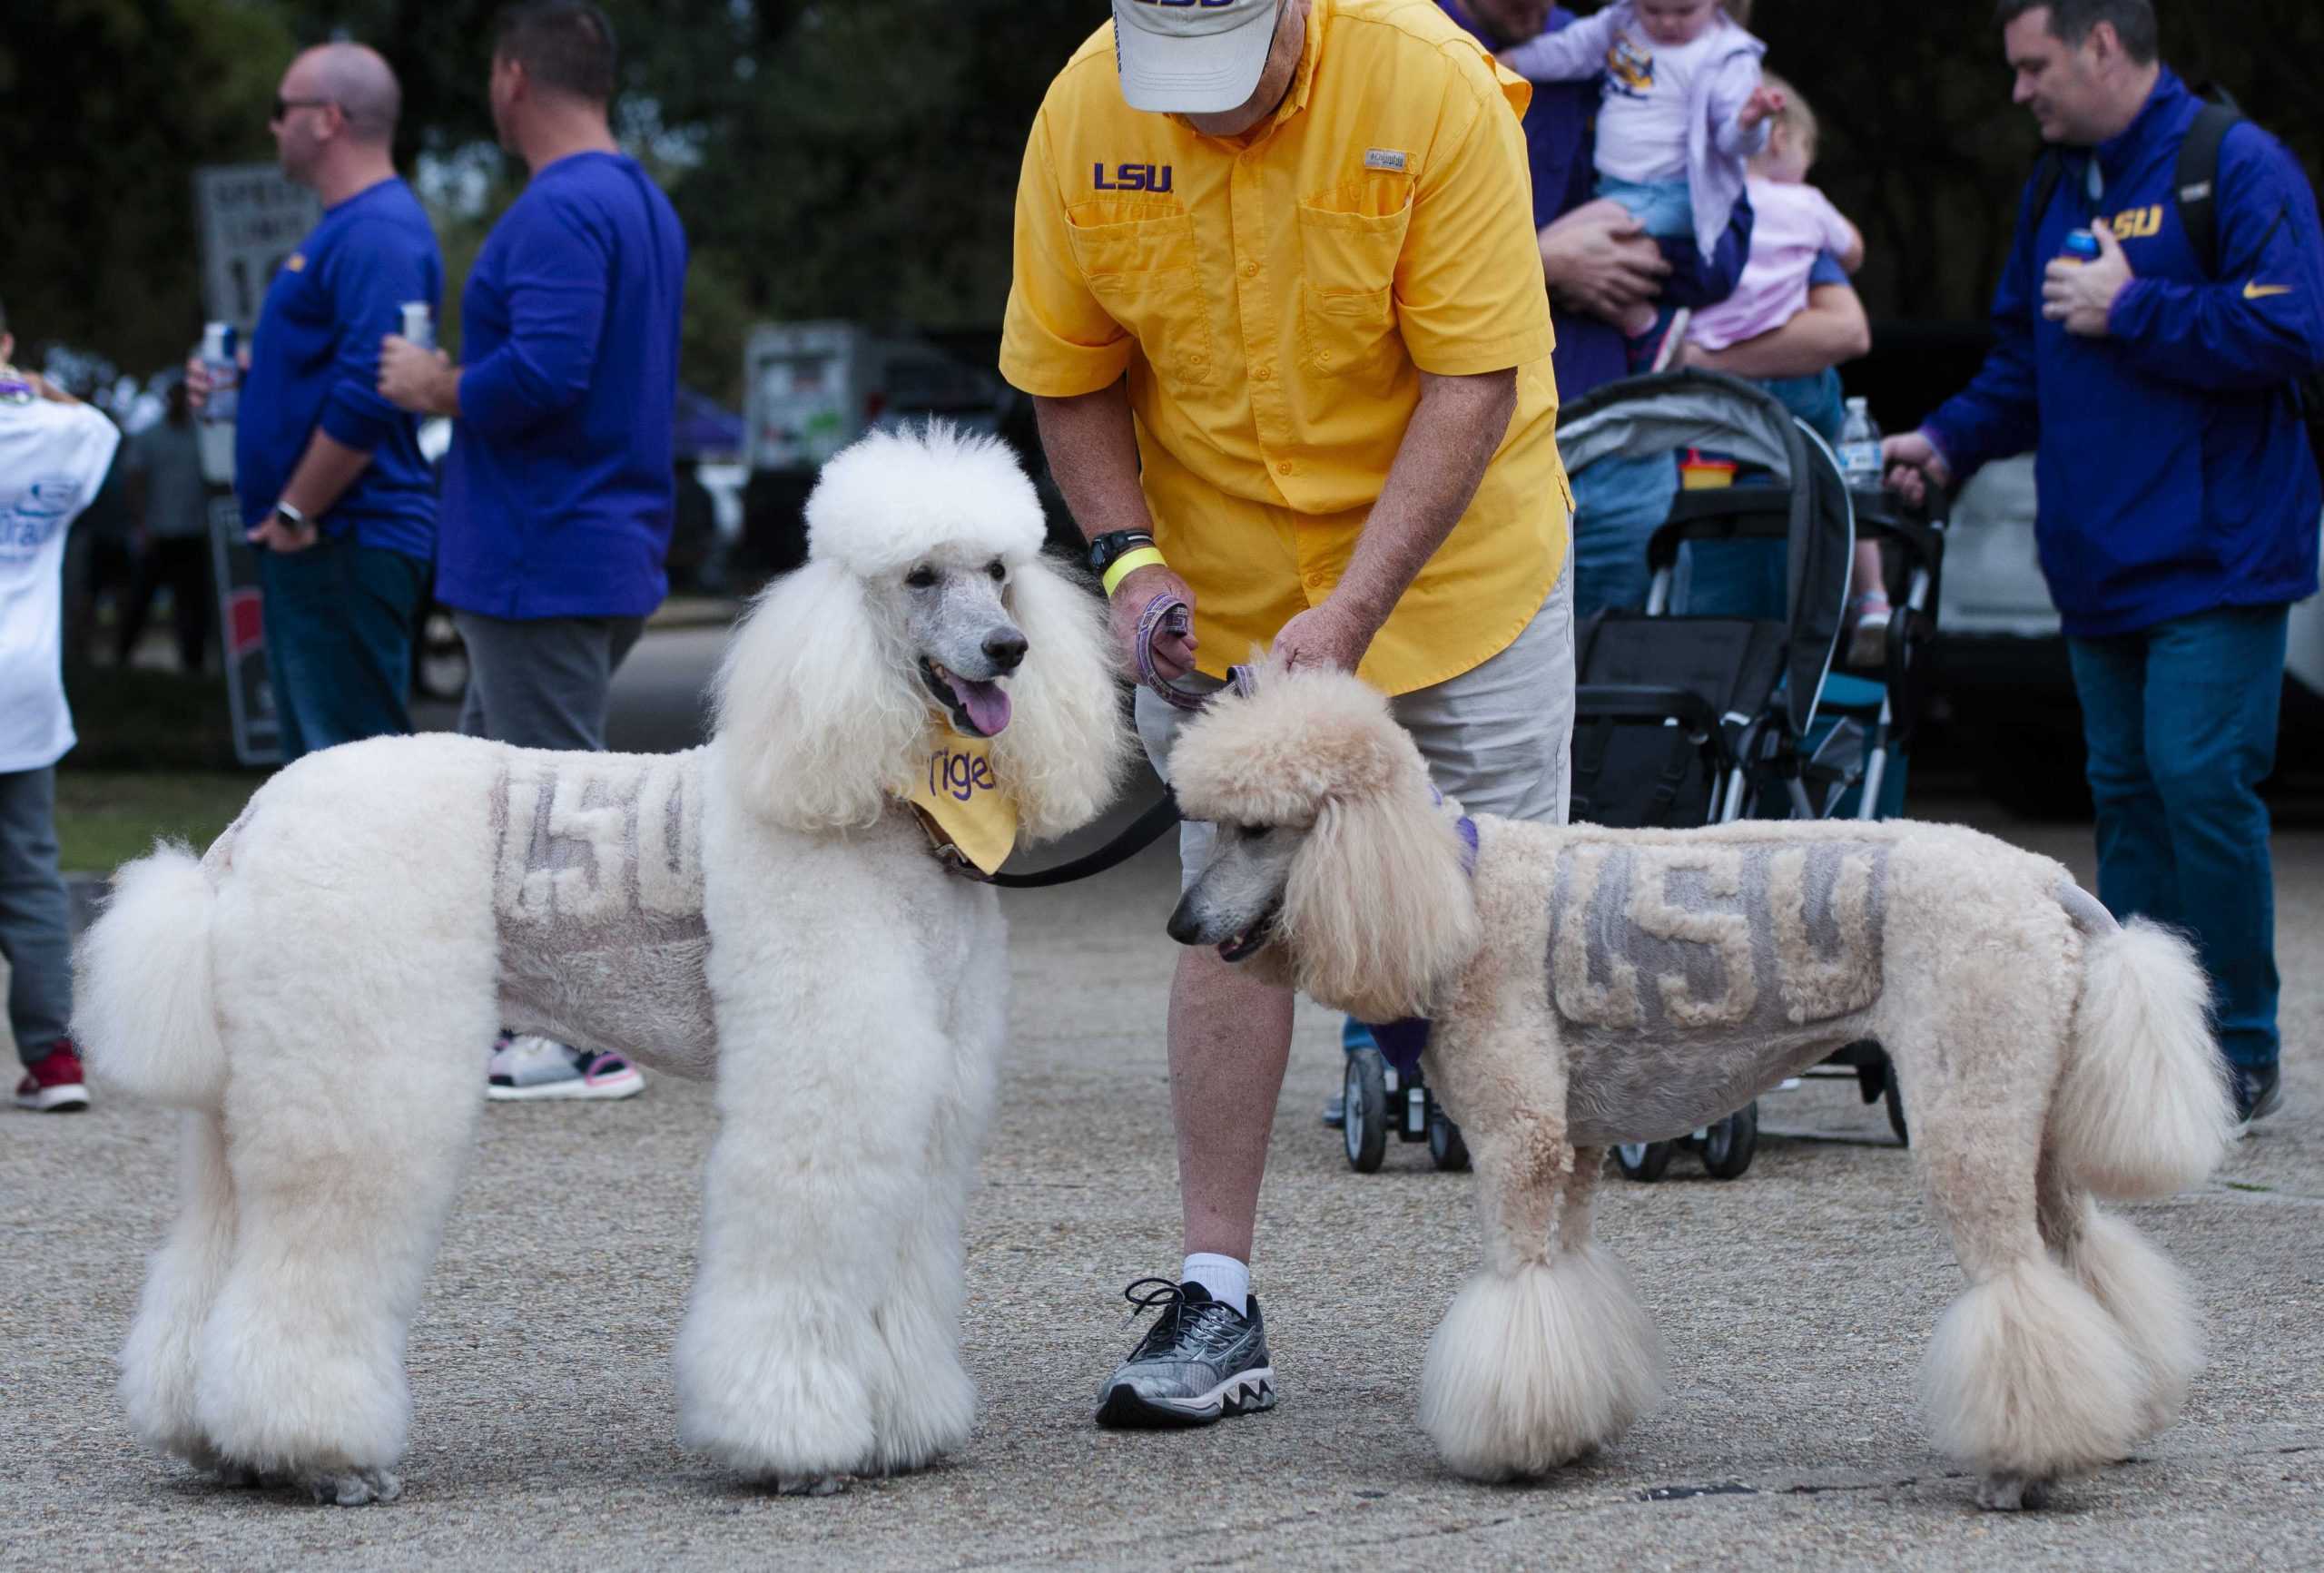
<point>1273,300</point>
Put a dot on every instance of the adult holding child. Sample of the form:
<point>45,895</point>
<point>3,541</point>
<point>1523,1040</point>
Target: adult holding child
<point>2178,494</point>
<point>1601,267</point>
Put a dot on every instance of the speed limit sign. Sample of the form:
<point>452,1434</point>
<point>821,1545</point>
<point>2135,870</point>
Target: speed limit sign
<point>253,216</point>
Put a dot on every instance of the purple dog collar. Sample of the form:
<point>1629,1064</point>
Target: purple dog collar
<point>1402,1043</point>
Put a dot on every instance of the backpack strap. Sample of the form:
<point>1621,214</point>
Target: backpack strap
<point>2048,170</point>
<point>2195,180</point>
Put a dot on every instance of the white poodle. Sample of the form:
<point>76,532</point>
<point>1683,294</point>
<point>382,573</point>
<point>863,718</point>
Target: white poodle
<point>1591,986</point>
<point>320,988</point>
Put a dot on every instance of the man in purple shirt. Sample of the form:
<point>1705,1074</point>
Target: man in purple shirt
<point>558,490</point>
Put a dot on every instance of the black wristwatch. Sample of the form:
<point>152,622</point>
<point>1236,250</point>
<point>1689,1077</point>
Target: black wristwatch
<point>1114,546</point>
<point>300,523</point>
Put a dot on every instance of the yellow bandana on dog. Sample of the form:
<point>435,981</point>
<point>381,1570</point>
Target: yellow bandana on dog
<point>962,800</point>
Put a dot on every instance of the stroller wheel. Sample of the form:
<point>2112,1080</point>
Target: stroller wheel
<point>1644,1161</point>
<point>1894,1098</point>
<point>1729,1144</point>
<point>1446,1146</point>
<point>1365,1131</point>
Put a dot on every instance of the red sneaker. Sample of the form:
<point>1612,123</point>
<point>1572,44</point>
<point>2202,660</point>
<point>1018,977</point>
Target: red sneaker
<point>54,1084</point>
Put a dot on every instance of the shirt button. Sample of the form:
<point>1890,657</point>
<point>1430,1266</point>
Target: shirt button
<point>1284,468</point>
<point>1261,374</point>
<point>1323,358</point>
<point>1250,269</point>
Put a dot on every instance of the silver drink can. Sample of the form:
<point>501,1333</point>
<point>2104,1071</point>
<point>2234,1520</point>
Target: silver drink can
<point>419,324</point>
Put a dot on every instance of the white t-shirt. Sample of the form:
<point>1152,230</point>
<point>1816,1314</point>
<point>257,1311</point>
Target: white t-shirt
<point>53,459</point>
<point>1642,122</point>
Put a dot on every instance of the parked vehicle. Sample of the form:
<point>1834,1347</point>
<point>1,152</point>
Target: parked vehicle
<point>2003,682</point>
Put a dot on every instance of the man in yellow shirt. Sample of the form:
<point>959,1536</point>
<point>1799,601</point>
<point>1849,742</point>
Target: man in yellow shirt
<point>1278,301</point>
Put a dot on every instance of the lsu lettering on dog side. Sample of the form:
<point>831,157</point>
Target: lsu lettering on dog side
<point>1591,987</point>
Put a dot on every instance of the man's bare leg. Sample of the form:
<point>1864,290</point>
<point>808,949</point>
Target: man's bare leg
<point>1230,1041</point>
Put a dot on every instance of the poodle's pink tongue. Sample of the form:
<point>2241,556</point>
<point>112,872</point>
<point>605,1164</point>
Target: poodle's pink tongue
<point>985,702</point>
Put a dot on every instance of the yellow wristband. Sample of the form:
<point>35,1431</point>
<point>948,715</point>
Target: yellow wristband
<point>1130,563</point>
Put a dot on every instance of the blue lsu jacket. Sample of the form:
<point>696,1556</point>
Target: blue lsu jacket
<point>2172,472</point>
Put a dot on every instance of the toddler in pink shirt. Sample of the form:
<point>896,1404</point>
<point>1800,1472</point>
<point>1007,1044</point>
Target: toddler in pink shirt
<point>1792,224</point>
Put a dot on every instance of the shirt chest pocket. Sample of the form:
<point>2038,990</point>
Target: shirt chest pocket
<point>1139,261</point>
<point>1349,242</point>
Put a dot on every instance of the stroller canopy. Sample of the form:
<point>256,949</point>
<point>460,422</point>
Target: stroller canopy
<point>1641,417</point>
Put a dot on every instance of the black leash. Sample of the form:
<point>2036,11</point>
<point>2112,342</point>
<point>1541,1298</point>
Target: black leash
<point>1142,833</point>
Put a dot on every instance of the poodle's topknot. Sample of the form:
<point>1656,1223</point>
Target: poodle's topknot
<point>1298,741</point>
<point>895,496</point>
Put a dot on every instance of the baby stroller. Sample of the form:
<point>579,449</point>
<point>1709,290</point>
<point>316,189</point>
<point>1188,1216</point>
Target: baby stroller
<point>1718,700</point>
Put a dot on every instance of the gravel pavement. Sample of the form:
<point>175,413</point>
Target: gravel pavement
<point>1795,1302</point>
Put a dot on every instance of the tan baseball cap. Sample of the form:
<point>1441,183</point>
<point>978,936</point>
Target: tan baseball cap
<point>1192,56</point>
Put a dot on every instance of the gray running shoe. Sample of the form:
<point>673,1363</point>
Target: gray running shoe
<point>1198,1363</point>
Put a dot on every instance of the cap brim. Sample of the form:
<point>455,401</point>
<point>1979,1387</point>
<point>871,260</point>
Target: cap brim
<point>1208,74</point>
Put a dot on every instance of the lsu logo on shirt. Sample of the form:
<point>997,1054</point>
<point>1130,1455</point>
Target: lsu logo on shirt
<point>1153,178</point>
<point>1629,69</point>
<point>2137,223</point>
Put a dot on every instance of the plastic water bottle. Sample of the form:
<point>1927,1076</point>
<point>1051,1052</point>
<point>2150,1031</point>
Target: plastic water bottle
<point>219,406</point>
<point>1859,452</point>
<point>419,324</point>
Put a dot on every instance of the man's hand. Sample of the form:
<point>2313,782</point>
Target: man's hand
<point>1174,655</point>
<point>274,533</point>
<point>1329,636</point>
<point>1601,264</point>
<point>2081,294</point>
<point>1764,101</point>
<point>416,380</point>
<point>1913,462</point>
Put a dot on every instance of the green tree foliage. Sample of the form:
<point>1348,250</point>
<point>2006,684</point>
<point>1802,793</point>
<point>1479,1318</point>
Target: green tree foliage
<point>858,158</point>
<point>106,106</point>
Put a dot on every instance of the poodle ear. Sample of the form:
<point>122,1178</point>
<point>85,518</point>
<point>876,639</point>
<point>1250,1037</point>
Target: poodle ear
<point>814,728</point>
<point>1066,745</point>
<point>1379,909</point>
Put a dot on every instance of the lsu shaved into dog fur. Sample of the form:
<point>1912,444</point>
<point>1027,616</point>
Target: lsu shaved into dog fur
<point>1589,987</point>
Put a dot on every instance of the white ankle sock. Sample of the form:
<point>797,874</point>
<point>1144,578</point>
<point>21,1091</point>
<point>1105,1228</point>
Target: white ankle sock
<point>1228,1280</point>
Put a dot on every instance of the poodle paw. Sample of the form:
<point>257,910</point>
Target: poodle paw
<point>352,1488</point>
<point>2010,1493</point>
<point>809,1485</point>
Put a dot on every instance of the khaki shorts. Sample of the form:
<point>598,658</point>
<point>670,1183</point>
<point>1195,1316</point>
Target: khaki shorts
<point>1497,738</point>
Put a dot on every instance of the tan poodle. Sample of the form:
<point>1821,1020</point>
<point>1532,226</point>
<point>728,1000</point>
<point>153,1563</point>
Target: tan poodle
<point>1589,987</point>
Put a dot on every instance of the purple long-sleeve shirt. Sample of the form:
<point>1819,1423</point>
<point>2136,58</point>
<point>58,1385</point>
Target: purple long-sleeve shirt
<point>559,491</point>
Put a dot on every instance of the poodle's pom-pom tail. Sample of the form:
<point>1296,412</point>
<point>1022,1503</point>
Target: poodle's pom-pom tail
<point>2143,1109</point>
<point>2149,1301</point>
<point>2027,1375</point>
<point>146,1020</point>
<point>1533,1369</point>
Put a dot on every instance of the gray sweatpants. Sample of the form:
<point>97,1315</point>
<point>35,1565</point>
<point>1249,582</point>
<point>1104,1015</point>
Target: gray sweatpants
<point>35,933</point>
<point>542,683</point>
